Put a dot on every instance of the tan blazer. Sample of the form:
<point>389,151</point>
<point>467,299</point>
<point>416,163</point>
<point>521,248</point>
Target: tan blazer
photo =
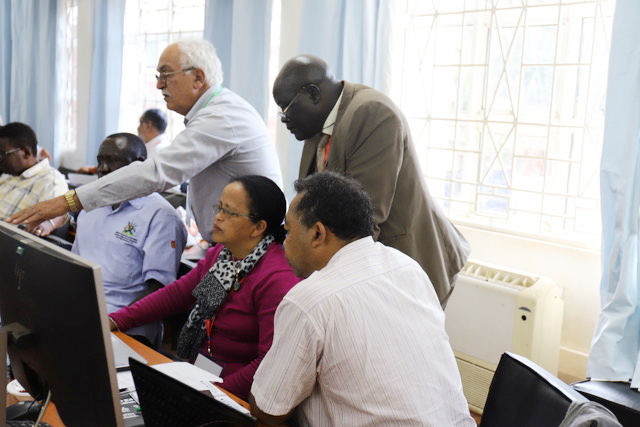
<point>372,142</point>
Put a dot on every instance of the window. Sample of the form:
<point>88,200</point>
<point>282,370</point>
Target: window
<point>506,104</point>
<point>150,26</point>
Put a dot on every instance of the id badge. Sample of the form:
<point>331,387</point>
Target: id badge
<point>208,365</point>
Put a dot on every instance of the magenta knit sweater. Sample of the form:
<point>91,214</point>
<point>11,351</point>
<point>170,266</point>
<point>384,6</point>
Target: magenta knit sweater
<point>243,327</point>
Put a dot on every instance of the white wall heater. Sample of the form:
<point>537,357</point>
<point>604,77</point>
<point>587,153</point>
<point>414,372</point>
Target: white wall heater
<point>493,310</point>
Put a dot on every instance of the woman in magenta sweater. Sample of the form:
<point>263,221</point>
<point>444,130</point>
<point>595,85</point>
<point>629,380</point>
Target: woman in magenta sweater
<point>234,291</point>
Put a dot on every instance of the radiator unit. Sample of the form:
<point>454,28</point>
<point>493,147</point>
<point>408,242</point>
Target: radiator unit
<point>493,310</point>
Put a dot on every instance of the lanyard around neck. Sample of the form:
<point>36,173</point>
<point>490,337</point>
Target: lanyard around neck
<point>213,95</point>
<point>186,120</point>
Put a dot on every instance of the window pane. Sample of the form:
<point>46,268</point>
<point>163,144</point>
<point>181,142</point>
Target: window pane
<point>150,26</point>
<point>506,105</point>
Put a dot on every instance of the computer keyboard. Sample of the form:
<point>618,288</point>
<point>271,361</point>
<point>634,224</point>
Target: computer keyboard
<point>25,423</point>
<point>131,413</point>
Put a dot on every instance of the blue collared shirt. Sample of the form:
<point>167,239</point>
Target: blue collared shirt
<point>140,240</point>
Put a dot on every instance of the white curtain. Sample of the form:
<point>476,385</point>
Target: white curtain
<point>241,32</point>
<point>615,346</point>
<point>28,80</point>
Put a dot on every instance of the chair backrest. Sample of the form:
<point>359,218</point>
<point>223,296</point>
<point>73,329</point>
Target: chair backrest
<point>524,394</point>
<point>618,397</point>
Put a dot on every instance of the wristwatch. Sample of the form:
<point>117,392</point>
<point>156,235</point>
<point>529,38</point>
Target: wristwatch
<point>69,196</point>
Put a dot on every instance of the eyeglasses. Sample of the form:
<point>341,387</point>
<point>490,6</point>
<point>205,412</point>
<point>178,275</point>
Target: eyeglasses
<point>283,113</point>
<point>229,213</point>
<point>4,154</point>
<point>162,77</point>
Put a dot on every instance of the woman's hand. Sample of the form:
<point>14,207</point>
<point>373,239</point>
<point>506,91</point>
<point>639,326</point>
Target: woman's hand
<point>113,326</point>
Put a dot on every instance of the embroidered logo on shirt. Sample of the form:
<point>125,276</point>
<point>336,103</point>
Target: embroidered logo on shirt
<point>127,234</point>
<point>173,244</point>
<point>130,229</point>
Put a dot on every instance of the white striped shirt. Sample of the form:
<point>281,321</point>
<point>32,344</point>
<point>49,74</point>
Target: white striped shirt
<point>362,342</point>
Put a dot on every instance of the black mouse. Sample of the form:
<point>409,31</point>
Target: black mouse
<point>27,410</point>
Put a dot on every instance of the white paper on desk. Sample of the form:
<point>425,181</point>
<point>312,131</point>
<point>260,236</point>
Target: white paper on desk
<point>187,373</point>
<point>125,381</point>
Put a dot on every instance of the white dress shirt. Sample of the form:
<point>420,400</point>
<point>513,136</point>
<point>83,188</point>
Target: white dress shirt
<point>156,145</point>
<point>223,138</point>
<point>362,343</point>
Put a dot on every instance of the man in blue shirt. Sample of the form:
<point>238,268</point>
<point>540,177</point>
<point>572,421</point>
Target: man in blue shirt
<point>138,243</point>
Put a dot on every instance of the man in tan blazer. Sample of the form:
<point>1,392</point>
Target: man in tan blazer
<point>359,131</point>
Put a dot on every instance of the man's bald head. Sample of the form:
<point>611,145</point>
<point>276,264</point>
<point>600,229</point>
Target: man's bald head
<point>307,89</point>
<point>304,69</point>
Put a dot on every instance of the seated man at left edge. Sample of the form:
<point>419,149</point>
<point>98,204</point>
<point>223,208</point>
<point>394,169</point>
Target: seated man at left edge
<point>25,181</point>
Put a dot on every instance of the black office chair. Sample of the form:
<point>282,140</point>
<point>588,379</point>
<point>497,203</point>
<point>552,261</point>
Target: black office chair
<point>618,397</point>
<point>524,394</point>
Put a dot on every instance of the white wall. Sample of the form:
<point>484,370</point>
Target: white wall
<point>576,270</point>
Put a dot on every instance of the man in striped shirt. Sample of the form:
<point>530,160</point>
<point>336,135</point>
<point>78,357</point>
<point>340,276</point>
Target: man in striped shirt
<point>25,181</point>
<point>361,341</point>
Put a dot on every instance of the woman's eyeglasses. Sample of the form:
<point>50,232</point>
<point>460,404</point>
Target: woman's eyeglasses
<point>229,213</point>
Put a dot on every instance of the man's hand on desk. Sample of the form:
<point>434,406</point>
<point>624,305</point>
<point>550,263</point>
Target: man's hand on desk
<point>47,227</point>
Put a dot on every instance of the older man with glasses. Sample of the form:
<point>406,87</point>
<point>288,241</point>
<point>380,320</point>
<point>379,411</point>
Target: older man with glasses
<point>357,130</point>
<point>25,180</point>
<point>224,137</point>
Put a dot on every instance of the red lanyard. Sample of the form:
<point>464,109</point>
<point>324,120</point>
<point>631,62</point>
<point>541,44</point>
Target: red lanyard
<point>208,323</point>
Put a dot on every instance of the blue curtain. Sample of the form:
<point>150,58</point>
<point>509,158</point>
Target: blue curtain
<point>106,74</point>
<point>350,35</point>
<point>241,32</point>
<point>616,341</point>
<point>28,89</point>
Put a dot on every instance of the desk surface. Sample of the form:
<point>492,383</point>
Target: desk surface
<point>152,356</point>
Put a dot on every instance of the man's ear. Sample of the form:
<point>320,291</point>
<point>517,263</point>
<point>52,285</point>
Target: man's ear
<point>314,93</point>
<point>319,234</point>
<point>199,78</point>
<point>26,152</point>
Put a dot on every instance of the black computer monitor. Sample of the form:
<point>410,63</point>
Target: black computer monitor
<point>53,311</point>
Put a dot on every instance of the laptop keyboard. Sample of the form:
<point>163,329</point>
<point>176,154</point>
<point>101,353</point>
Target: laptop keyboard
<point>131,413</point>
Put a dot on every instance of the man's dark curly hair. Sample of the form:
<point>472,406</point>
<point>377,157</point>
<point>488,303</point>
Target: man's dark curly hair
<point>339,202</point>
<point>20,135</point>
